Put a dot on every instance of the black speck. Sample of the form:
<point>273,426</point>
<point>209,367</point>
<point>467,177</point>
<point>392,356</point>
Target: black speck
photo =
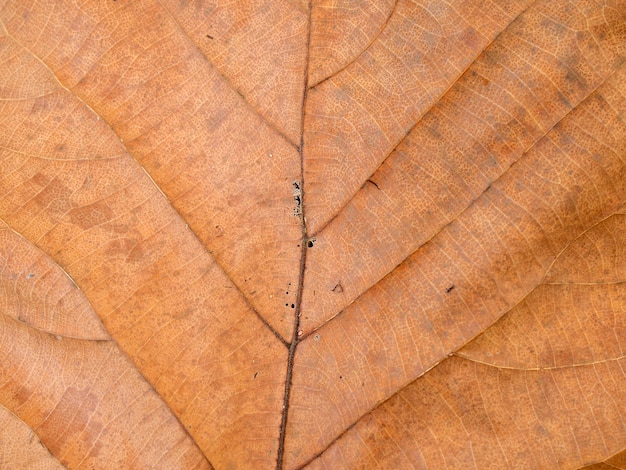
<point>209,36</point>
<point>370,181</point>
<point>450,289</point>
<point>293,306</point>
<point>310,244</point>
<point>341,376</point>
<point>286,305</point>
<point>255,375</point>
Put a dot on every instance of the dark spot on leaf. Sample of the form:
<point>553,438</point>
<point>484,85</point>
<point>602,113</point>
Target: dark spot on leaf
<point>370,181</point>
<point>40,179</point>
<point>338,288</point>
<point>209,36</point>
<point>450,289</point>
<point>91,215</point>
<point>563,99</point>
<point>256,374</point>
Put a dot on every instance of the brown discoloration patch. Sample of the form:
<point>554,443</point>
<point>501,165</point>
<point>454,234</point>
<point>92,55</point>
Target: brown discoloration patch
<point>89,216</point>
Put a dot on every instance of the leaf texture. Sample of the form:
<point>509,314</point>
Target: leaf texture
<point>336,234</point>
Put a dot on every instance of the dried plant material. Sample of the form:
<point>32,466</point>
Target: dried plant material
<point>337,234</point>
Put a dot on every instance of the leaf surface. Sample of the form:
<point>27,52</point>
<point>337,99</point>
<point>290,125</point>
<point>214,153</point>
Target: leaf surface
<point>347,234</point>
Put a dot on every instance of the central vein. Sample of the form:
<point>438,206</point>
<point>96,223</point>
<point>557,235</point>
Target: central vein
<point>304,245</point>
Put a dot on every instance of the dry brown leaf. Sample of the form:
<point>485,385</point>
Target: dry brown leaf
<point>344,234</point>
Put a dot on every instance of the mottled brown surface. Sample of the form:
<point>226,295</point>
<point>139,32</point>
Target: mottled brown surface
<point>345,234</point>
